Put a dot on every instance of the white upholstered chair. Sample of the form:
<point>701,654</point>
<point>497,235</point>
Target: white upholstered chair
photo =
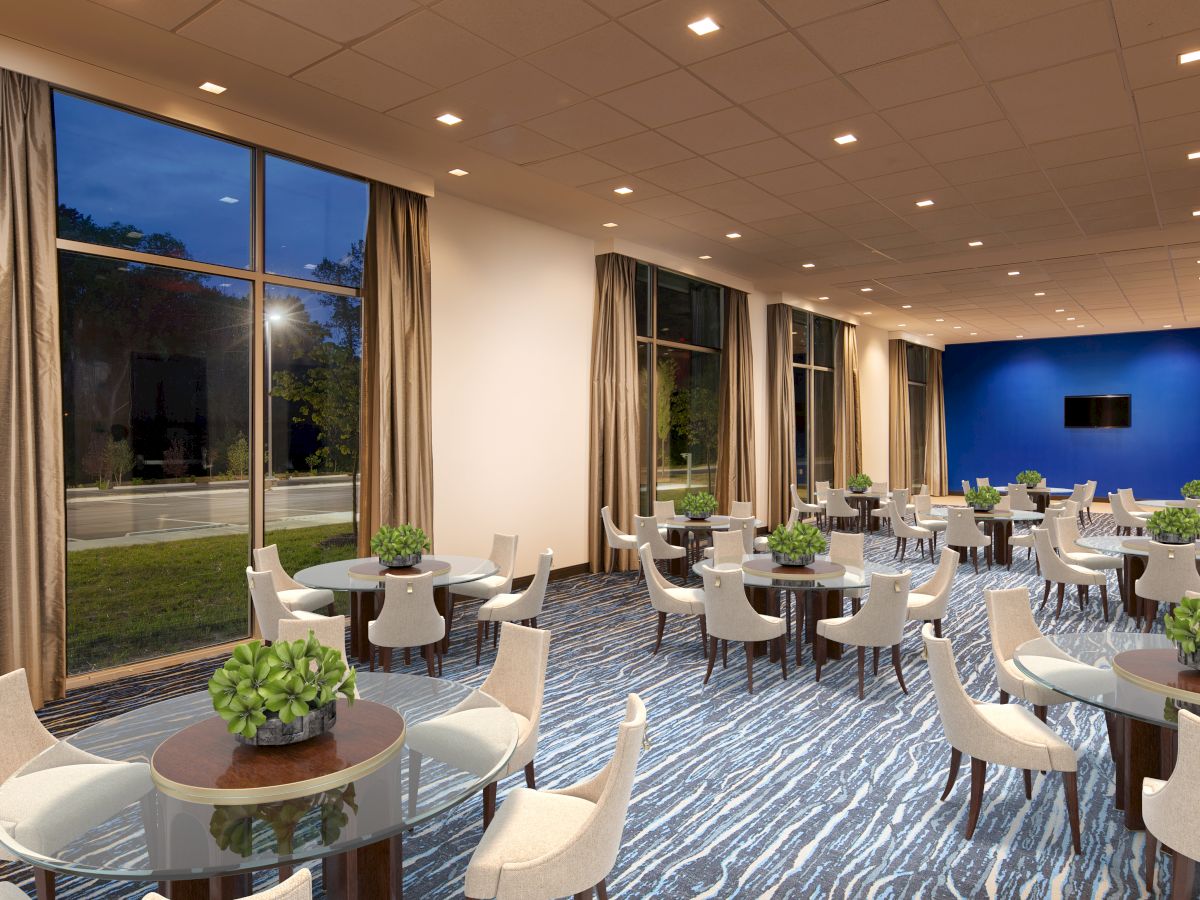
<point>730,617</point>
<point>664,511</point>
<point>964,533</point>
<point>666,598</point>
<point>821,488</point>
<point>741,509</point>
<point>545,844</point>
<point>1079,494</point>
<point>1065,530</point>
<point>1089,499</point>
<point>616,539</point>
<point>9,891</point>
<point>1056,570</point>
<point>522,606</point>
<point>330,631</point>
<point>298,887</point>
<point>409,618</point>
<point>1125,519</point>
<point>1011,624</point>
<point>816,510</point>
<point>268,608</point>
<point>982,482</point>
<point>903,507</point>
<point>646,531</point>
<point>1170,574</point>
<point>1131,505</point>
<point>504,555</point>
<point>728,548</point>
<point>966,486</point>
<point>1018,498</point>
<point>923,516</point>
<point>880,623</point>
<point>760,543</point>
<point>904,533</point>
<point>1026,539</point>
<point>839,513</point>
<point>927,602</point>
<point>1005,735</point>
<point>847,548</point>
<point>1170,813</point>
<point>879,487</point>
<point>291,593</point>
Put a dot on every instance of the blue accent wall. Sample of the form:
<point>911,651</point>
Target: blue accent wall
<point>1004,410</point>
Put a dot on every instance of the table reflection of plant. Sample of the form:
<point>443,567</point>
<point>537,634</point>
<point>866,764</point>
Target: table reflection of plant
<point>232,827</point>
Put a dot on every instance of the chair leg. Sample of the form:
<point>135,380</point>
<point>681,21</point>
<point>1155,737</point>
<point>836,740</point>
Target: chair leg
<point>601,891</point>
<point>1062,588</point>
<point>978,774</point>
<point>897,667</point>
<point>489,804</point>
<point>584,895</point>
<point>818,654</point>
<point>479,626</point>
<point>749,647</point>
<point>955,762</point>
<point>1045,597</point>
<point>937,627</point>
<point>782,656</point>
<point>1040,712</point>
<point>427,652</point>
<point>1104,598</point>
<point>1003,696</point>
<point>975,559</point>
<point>1028,783</point>
<point>724,653</point>
<point>386,653</point>
<point>662,624</point>
<point>1151,858</point>
<point>1070,786</point>
<point>862,671</point>
<point>874,662</point>
<point>530,778</point>
<point>712,658</point>
<point>703,632</point>
<point>1183,874</point>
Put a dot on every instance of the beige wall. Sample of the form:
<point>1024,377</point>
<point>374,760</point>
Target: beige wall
<point>873,390</point>
<point>512,323</point>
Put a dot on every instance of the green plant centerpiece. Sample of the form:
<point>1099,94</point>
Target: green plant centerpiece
<point>1182,625</point>
<point>1029,477</point>
<point>233,828</point>
<point>795,545</point>
<point>282,694</point>
<point>399,546</point>
<point>1174,525</point>
<point>859,483</point>
<point>1191,490</point>
<point>983,498</point>
<point>698,505</point>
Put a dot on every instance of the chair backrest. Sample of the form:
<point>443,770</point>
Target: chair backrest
<point>518,676</point>
<point>846,549</point>
<point>822,488</point>
<point>1121,514</point>
<point>900,498</point>
<point>960,720</point>
<point>298,887</point>
<point>794,514</point>
<point>409,617</point>
<point>942,582</point>
<point>504,555</point>
<point>330,631</point>
<point>741,509</point>
<point>528,604</point>
<point>1126,495</point>
<point>923,504</point>
<point>901,528</point>
<point>1191,502</point>
<point>982,482</point>
<point>664,510</point>
<point>836,505</point>
<point>880,621</point>
<point>729,547</point>
<point>1053,566</point>
<point>645,529</point>
<point>727,610</point>
<point>1010,620</point>
<point>961,528</point>
<point>1091,492</point>
<point>966,486</point>
<point>744,527</point>
<point>268,608</point>
<point>1018,498</point>
<point>24,734</point>
<point>1064,528</point>
<point>266,559</point>
<point>1079,493</point>
<point>1170,572</point>
<point>879,487</point>
<point>656,584</point>
<point>611,533</point>
<point>795,494</point>
<point>1170,812</point>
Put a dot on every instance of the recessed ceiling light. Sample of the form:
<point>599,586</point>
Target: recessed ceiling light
<point>212,88</point>
<point>228,199</point>
<point>866,290</point>
<point>1190,56</point>
<point>459,172</point>
<point>845,139</point>
<point>974,243</point>
<point>1060,310</point>
<point>610,224</point>
<point>866,313</point>
<point>704,26</point>
<point>822,298</point>
<point>623,190</point>
<point>1166,326</point>
<point>924,203</point>
<point>1070,318</point>
<point>733,235</point>
<point>902,325</point>
<point>809,266</point>
<point>1196,212</point>
<point>906,306</point>
<point>973,333</point>
<point>957,327</point>
<point>1078,326</point>
<point>1020,335</point>
<point>449,119</point>
<point>705,256</point>
<point>1014,273</point>
<point>929,334</point>
<point>1195,154</point>
<point>1039,293</point>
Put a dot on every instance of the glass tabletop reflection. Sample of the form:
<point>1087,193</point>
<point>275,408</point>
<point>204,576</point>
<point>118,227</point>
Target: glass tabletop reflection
<point>712,523</point>
<point>851,579</point>
<point>143,834</point>
<point>336,576</point>
<point>1015,515</point>
<point>1116,545</point>
<point>1080,666</point>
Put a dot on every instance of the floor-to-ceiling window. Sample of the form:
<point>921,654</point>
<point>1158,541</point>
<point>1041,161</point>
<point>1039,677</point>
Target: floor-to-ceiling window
<point>918,377</point>
<point>813,341</point>
<point>679,326</point>
<point>186,262</point>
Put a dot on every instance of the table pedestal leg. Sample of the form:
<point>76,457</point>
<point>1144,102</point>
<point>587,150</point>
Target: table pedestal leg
<point>441,599</point>
<point>825,605</point>
<point>679,566</point>
<point>361,609</point>
<point>1134,568</point>
<point>1143,755</point>
<point>765,601</point>
<point>373,872</point>
<point>1001,548</point>
<point>228,887</point>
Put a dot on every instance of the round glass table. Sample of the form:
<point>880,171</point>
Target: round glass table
<point>998,524</point>
<point>149,835</point>
<point>866,502</point>
<point>1134,553</point>
<point>1041,496</point>
<point>366,593</point>
<point>1142,724</point>
<point>685,532</point>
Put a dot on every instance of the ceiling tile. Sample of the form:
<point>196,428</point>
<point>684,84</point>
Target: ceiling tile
<point>817,104</point>
<point>948,113</point>
<point>718,131</point>
<point>666,206</point>
<point>877,161</point>
<point>687,174</point>
<point>664,24</point>
<point>246,31</point>
<point>707,222</point>
<point>917,77</point>
<point>1158,61</point>
<point>520,26</point>
<point>1098,170</point>
<point>879,32</point>
<point>801,12</point>
<point>1046,41</point>
<point>871,130</point>
<point>585,124</point>
<point>777,64</point>
<point>796,179</point>
<point>729,193</point>
<point>764,156</point>
<point>1086,147</point>
<point>830,197</point>
<point>970,17</point>
<point>428,47</point>
<point>922,180</point>
<point>974,141</point>
<point>759,210</point>
<point>640,152</point>
<point>991,165</point>
<point>1074,98</point>
<point>620,7</point>
<point>574,169</point>
<point>1175,130</point>
<point>363,80</point>
<point>1148,20</point>
<point>518,144</point>
<point>603,59</point>
<point>1019,185</point>
<point>341,22</point>
<point>163,13</point>
<point>1173,98</point>
<point>793,224</point>
<point>668,98</point>
<point>642,189</point>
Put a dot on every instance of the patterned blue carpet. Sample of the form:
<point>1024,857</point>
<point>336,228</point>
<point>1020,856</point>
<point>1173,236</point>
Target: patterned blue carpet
<point>800,790</point>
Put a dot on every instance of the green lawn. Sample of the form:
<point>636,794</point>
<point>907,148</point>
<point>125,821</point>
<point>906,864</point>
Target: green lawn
<point>131,603</point>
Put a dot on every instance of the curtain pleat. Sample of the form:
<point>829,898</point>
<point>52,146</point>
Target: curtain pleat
<point>735,447</point>
<point>395,438</point>
<point>899,462</point>
<point>847,410</point>
<point>935,428</point>
<point>33,544</point>
<point>613,472</point>
<point>781,414</point>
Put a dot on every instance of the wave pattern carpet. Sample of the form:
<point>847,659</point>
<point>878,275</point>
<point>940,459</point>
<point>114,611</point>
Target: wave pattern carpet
<point>799,791</point>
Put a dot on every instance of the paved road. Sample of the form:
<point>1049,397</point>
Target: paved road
<point>135,514</point>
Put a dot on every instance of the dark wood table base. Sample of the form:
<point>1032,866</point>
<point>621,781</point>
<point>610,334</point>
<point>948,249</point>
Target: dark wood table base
<point>1139,750</point>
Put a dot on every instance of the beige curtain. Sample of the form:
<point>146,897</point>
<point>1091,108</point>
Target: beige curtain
<point>781,414</point>
<point>847,409</point>
<point>899,442</point>
<point>613,470</point>
<point>395,440</point>
<point>935,427</point>
<point>33,540</point>
<point>735,448</point>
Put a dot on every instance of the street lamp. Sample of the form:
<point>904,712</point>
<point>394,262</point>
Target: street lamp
<point>277,317</point>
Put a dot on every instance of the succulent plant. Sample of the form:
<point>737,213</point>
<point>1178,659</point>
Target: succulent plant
<point>287,679</point>
<point>232,827</point>
<point>796,540</point>
<point>861,481</point>
<point>1191,490</point>
<point>1175,520</point>
<point>698,504</point>
<point>1182,624</point>
<point>985,495</point>
<point>391,541</point>
<point>1029,478</point>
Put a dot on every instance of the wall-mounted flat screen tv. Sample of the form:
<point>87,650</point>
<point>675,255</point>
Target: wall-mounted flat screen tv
<point>1097,411</point>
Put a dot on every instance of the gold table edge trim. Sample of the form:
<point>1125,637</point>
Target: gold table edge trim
<point>357,576</point>
<point>277,792</point>
<point>1156,688</point>
<point>816,576</point>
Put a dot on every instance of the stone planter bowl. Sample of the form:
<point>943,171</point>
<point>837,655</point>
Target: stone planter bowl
<point>273,733</point>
